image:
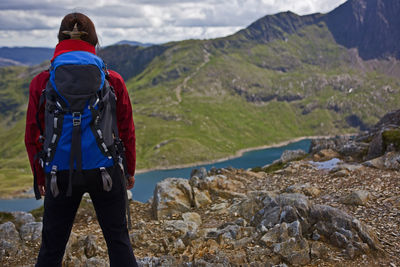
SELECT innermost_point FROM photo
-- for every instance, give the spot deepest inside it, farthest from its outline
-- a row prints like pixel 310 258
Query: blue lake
pixel 145 182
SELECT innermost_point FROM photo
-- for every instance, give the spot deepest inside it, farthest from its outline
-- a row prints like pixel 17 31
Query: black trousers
pixel 60 211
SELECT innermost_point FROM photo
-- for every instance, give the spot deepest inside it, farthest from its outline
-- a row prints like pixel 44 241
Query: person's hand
pixel 131 182
pixel 42 190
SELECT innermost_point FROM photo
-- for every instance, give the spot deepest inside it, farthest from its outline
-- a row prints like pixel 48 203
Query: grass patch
pixel 392 137
pixel 274 167
pixel 270 168
pixel 6 217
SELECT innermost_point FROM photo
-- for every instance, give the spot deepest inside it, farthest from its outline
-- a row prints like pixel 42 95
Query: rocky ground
pixel 224 225
pixel 337 206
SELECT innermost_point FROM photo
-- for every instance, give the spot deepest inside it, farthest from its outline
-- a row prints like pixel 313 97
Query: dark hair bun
pixel 83 23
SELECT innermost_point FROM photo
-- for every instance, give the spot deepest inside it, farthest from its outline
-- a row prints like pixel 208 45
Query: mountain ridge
pixel 275 26
pixel 28 56
pixel 133 43
pixel 280 25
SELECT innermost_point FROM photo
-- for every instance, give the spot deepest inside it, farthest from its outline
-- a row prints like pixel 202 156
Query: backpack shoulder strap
pixel 38 155
pixel 42 98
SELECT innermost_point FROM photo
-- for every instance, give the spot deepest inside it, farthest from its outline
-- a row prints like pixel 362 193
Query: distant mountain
pixel 372 26
pixel 25 55
pixel 134 43
pixel 29 56
pixel 130 60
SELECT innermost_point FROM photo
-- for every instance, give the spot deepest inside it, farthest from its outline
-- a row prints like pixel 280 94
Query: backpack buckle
pixel 76 118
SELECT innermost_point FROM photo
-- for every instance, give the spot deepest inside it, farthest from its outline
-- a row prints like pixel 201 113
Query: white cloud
pixel 22 20
pixel 42 38
pixel 156 21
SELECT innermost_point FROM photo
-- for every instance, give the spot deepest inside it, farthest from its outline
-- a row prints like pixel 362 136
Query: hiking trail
pixel 178 89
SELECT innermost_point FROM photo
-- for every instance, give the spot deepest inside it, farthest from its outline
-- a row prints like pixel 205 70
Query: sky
pixel 35 23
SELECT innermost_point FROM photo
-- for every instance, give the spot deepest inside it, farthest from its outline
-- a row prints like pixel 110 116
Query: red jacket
pixel 125 123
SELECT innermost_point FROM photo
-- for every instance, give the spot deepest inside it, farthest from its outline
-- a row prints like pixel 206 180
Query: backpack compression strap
pixel 35 184
pixel 76 148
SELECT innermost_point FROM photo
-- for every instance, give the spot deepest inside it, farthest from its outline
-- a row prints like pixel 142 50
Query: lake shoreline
pixel 236 155
pixel 27 193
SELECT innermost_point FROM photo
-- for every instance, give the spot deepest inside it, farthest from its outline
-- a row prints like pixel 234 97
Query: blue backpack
pixel 81 130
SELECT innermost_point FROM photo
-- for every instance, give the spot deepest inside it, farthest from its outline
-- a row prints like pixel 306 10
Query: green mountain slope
pixel 283 77
pixel 203 100
pixel 15 173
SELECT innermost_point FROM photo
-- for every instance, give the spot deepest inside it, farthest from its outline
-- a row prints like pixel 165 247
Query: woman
pixel 63 195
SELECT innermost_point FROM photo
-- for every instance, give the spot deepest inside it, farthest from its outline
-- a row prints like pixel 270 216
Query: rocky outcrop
pixel 21 218
pixel 16 234
pixel 291 155
pixel 358 197
pixel 10 241
pixel 325 154
pixel 378 147
pixel 31 231
pixel 293 228
pixel 388 161
pixel 171 196
pixel 290 224
pixel 83 250
pixel 177 195
pixel 346 146
pixel 306 189
pixel 391 118
pixel 286 157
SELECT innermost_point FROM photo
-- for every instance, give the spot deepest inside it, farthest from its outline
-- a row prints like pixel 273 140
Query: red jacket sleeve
pixel 125 123
pixel 32 133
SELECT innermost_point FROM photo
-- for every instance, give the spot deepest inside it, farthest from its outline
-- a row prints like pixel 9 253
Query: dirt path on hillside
pixel 178 89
